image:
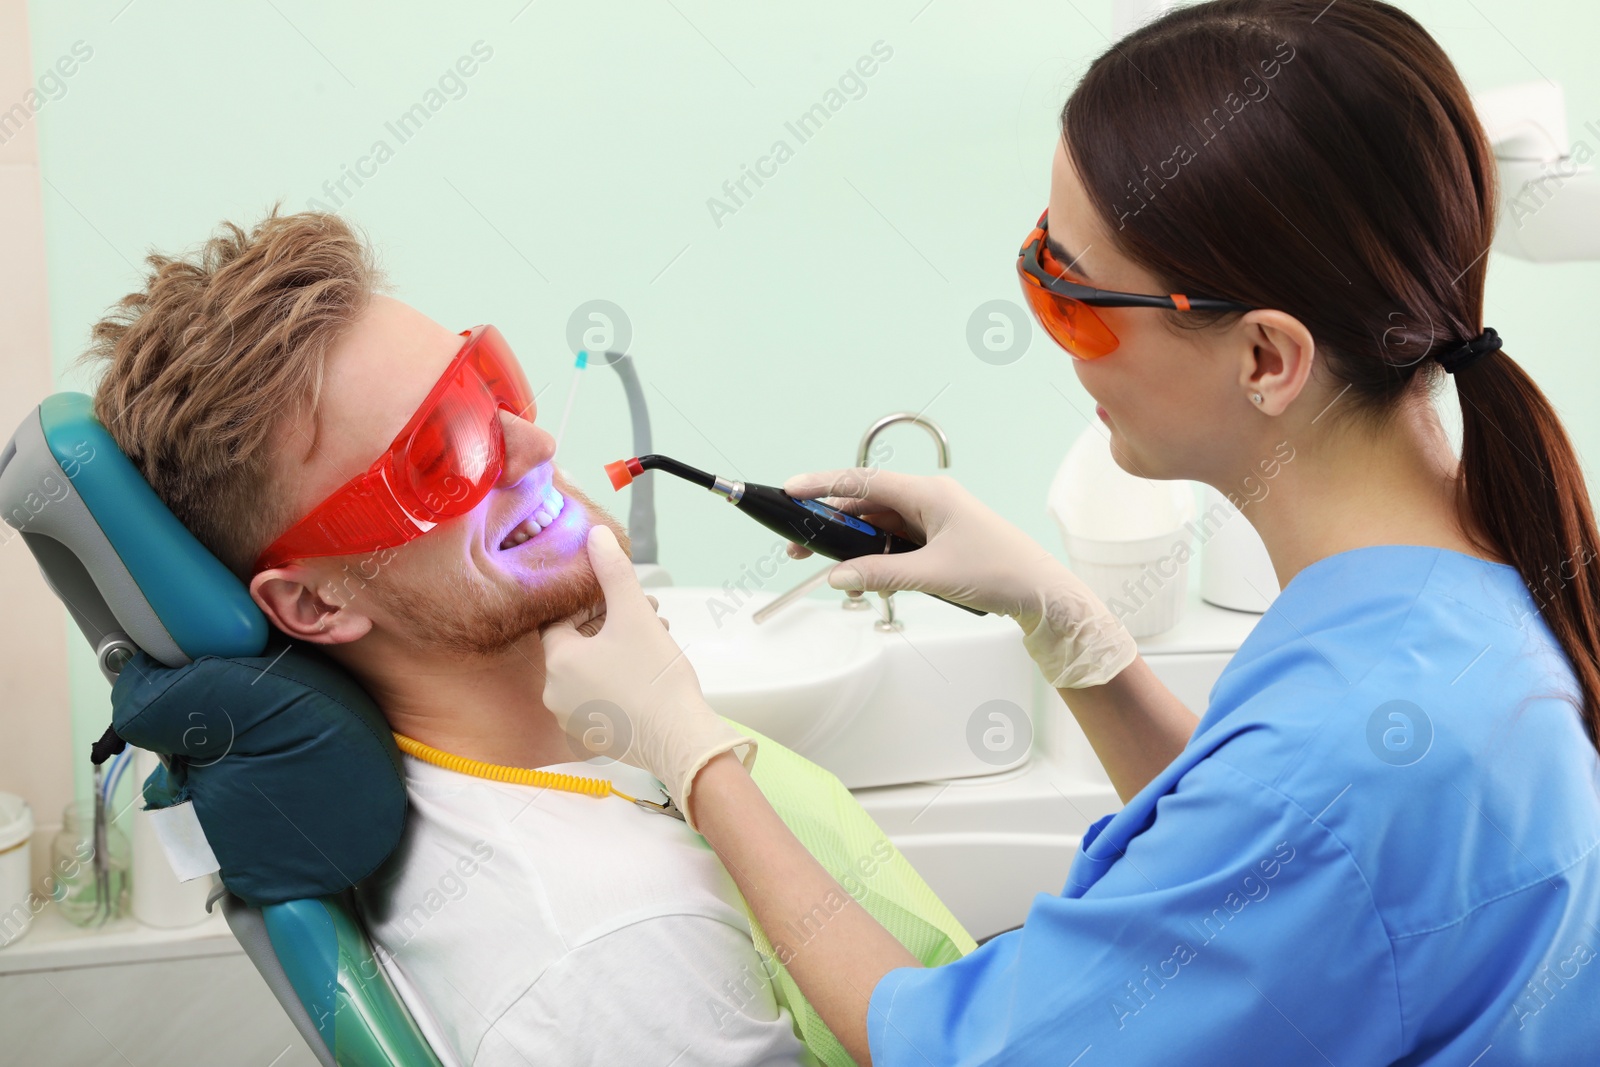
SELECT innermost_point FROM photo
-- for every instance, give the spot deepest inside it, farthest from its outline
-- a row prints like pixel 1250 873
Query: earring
pixel 1256 397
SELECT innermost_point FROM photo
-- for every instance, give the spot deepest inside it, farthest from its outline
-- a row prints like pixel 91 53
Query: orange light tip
pixel 619 473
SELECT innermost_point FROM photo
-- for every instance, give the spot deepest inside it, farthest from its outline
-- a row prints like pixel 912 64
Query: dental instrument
pixel 825 530
pixel 104 905
pixel 572 394
pixel 109 748
pixel 114 775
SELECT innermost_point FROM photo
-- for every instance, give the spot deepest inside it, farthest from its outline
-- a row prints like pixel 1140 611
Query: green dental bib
pixel 836 829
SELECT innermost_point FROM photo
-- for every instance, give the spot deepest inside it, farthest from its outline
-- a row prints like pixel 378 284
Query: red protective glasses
pixel 1065 305
pixel 445 460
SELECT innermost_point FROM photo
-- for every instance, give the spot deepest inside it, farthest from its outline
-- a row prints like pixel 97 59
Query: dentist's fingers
pixel 655 605
pixel 905 504
pixel 887 521
pixel 839 481
pixel 885 574
pixel 594 624
pixel 619 582
pixel 589 621
pixel 805 486
pixel 586 621
pixel 891 490
pixel 619 588
pixel 555 634
pixel 870 510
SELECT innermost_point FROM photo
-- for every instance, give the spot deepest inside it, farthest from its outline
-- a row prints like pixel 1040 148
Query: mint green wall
pixel 577 165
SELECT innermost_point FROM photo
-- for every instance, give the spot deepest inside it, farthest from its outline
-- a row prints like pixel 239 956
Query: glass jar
pixel 82 895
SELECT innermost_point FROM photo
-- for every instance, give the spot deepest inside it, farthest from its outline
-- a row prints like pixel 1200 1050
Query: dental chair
pixel 289 767
pixel 280 774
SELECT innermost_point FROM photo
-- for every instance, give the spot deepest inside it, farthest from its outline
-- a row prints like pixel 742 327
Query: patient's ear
pixel 298 602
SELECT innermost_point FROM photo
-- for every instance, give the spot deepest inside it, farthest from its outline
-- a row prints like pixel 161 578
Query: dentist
pixel 1268 222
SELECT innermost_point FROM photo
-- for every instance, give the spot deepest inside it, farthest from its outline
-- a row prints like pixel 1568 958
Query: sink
pixel 950 695
pixel 799 677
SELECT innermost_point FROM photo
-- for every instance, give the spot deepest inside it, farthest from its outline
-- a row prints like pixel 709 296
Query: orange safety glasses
pixel 1065 307
pixel 445 460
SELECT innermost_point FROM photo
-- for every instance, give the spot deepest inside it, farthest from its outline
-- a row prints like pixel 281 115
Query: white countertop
pixel 52 943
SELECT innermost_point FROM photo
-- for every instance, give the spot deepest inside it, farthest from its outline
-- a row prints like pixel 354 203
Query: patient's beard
pixel 461 614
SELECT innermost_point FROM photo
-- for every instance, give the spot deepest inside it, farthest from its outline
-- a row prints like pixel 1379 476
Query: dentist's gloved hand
pixel 974 557
pixel 634 664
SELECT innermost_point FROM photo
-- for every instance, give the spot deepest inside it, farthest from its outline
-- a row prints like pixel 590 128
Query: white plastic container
pixel 16 905
pixel 1235 570
pixel 1128 538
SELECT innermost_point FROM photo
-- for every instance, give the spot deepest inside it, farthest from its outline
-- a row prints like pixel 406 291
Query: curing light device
pixel 825 530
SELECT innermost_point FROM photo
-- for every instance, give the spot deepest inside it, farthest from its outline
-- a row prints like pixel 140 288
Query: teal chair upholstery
pixel 177 633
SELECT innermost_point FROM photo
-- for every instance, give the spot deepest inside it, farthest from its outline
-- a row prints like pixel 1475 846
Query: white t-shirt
pixel 527 926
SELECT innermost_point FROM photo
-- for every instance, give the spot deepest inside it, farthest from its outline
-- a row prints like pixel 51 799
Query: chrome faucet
pixel 940 441
pixel 887 622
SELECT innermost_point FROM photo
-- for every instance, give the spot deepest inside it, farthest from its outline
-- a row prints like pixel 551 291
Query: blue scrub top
pixel 1379 846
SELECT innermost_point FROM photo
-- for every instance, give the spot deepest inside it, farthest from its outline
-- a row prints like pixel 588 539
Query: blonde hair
pixel 217 352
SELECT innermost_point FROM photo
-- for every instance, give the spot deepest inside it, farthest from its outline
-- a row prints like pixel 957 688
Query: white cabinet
pixel 127 994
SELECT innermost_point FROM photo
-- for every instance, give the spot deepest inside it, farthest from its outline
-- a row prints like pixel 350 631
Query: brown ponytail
pixel 1326 160
pixel 1522 482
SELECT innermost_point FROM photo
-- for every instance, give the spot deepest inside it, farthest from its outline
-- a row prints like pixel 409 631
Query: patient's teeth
pixel 539 521
pixel 524 530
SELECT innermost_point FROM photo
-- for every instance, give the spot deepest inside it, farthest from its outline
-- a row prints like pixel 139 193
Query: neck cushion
pixel 294 774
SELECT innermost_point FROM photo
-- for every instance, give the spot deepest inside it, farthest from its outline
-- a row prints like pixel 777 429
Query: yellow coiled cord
pixel 571 783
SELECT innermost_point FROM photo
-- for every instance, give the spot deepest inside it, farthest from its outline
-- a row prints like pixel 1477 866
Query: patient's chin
pixel 473 618
pixel 467 615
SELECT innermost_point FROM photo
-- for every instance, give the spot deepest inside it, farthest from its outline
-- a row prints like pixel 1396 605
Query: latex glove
pixel 974 557
pixel 633 664
pixel 589 620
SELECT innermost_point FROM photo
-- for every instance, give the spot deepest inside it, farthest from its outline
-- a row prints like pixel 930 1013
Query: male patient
pixel 528 926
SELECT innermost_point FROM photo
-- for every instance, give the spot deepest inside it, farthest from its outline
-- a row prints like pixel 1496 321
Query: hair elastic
pixel 1461 358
